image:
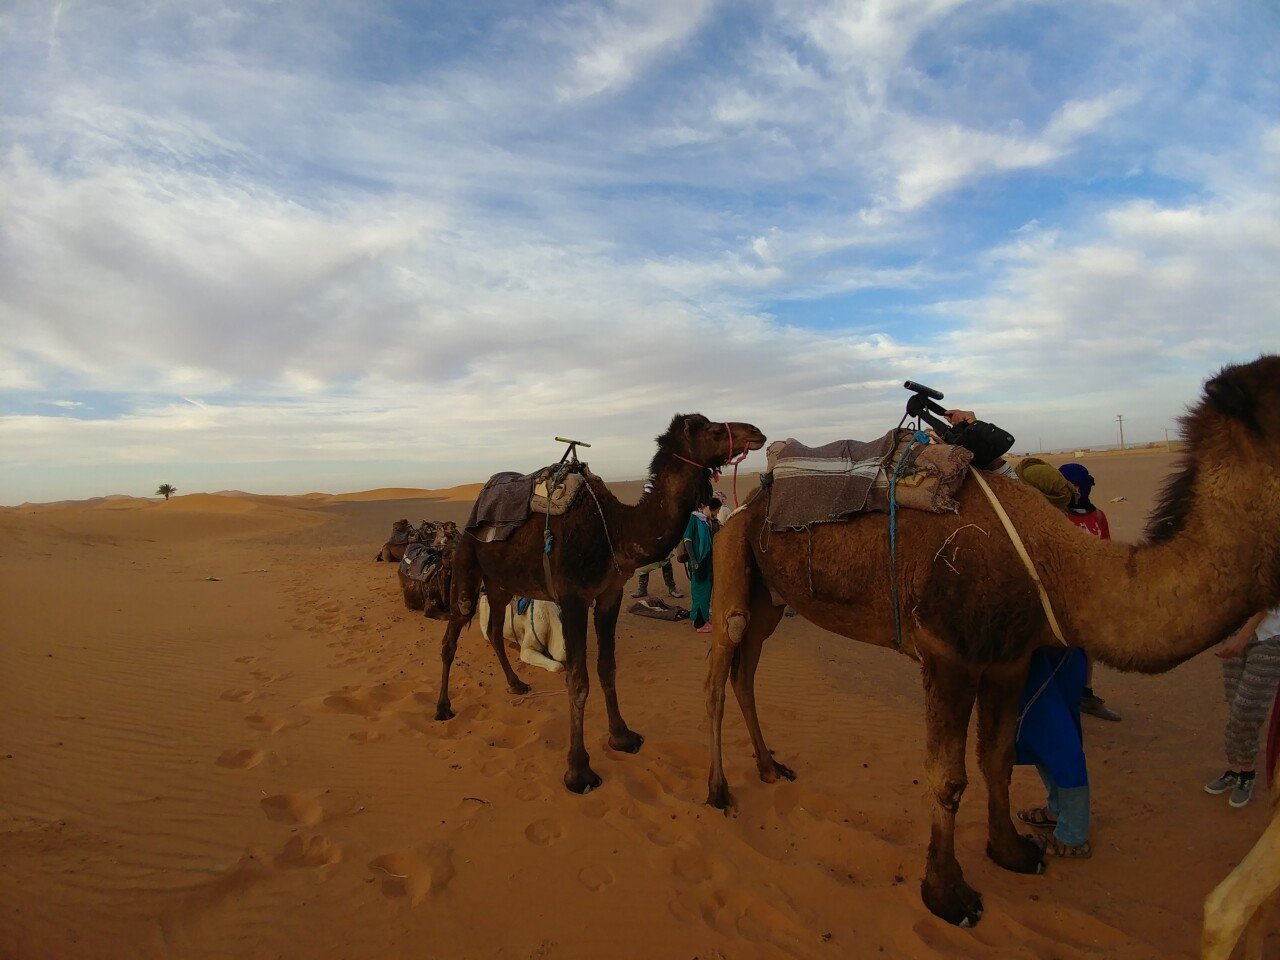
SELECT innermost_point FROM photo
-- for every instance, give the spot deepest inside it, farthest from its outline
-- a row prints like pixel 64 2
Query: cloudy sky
pixel 329 246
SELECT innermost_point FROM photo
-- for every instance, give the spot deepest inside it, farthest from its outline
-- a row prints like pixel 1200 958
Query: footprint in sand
pixel 364 736
pixel 266 722
pixel 314 851
pixel 246 659
pixel 543 832
pixel 403 875
pixel 595 877
pixel 292 808
pixel 240 759
pixel 237 696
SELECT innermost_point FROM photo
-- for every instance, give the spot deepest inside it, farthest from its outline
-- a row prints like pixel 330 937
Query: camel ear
pixel 1231 396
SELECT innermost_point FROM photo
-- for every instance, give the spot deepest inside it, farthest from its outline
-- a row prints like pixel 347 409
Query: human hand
pixel 955 417
pixel 1233 646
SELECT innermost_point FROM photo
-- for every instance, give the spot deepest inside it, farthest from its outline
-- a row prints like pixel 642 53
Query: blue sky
pixel 289 247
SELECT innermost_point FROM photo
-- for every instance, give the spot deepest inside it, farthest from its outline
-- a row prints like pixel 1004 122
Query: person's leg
pixel 1051 804
pixel 1073 816
pixel 1259 675
pixel 1091 703
pixel 642 586
pixel 669 578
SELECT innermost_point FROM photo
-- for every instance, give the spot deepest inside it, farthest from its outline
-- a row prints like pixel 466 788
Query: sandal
pixel 1053 847
pixel 1038 817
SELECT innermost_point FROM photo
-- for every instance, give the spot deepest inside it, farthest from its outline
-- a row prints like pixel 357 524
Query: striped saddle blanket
pixel 839 480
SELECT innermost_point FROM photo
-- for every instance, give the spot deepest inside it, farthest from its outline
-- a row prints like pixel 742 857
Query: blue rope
pixel 919 438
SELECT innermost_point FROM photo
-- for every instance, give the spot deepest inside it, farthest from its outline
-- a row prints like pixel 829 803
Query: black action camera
pixel 984 440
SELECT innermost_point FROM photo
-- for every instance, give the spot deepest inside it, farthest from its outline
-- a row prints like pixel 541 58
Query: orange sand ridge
pixel 248 767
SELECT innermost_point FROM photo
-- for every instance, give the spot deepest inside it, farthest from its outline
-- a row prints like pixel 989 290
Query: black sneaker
pixel 1243 791
pixel 1228 781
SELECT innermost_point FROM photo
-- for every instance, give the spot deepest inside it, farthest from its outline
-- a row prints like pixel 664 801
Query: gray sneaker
pixel 1243 792
pixel 1228 781
pixel 676 594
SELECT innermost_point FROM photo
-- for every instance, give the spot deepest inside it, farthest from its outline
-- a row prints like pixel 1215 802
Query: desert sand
pixel 218 742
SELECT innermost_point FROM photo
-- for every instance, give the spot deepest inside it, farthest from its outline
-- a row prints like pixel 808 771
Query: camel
pixel 431 596
pixel 971 614
pixel 597 545
pixel 403 533
pixel 536 632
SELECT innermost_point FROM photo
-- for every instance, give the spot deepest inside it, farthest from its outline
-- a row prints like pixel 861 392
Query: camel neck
pixel 650 530
pixel 1152 606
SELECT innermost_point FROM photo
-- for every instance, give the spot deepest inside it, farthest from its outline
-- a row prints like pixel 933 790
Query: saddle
pixel 421 563
pixel 508 499
pixel 842 479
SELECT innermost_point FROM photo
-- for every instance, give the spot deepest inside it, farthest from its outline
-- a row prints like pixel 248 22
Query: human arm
pixel 955 417
pixel 1234 645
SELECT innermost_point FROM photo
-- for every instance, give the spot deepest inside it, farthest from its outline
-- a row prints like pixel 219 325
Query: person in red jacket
pixel 1089 518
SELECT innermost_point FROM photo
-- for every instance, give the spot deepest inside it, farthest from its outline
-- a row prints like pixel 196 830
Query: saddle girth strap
pixel 1022 552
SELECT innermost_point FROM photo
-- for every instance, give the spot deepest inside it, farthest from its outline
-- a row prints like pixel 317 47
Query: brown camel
pixel 431 596
pixel 971 614
pixel 598 544
pixel 403 533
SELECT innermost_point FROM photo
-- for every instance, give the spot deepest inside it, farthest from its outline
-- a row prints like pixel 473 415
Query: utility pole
pixel 1167 445
pixel 1120 420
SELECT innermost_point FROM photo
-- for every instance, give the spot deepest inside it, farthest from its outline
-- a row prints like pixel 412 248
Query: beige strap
pixel 1022 552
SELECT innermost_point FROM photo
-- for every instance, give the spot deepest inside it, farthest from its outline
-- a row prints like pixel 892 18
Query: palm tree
pixel 166 490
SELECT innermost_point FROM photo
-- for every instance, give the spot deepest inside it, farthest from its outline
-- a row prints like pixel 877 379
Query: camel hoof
pixel 581 781
pixel 519 687
pixel 443 712
pixel 958 904
pixel 771 773
pixel 1025 857
pixel 628 742
pixel 718 796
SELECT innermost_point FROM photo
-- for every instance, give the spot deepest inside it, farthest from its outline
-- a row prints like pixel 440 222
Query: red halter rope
pixel 734 460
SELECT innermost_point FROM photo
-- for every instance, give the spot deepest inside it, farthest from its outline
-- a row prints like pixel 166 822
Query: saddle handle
pixel 573 448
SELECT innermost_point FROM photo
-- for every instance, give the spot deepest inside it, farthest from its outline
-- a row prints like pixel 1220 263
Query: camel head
pixel 1232 456
pixel 708 443
pixel 445 534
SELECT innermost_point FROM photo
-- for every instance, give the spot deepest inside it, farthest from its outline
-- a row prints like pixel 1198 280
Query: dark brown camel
pixel 971 615
pixel 432 596
pixel 596 550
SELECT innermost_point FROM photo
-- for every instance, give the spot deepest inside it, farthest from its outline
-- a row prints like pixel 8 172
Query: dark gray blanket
pixel 503 504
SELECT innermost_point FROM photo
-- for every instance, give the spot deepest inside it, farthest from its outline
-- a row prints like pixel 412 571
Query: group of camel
pixel 1210 560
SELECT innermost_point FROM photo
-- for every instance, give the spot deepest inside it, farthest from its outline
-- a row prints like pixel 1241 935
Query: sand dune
pixel 249 767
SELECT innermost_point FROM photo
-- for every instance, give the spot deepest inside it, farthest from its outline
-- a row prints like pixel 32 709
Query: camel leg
pixel 579 778
pixel 448 647
pixel 723 655
pixel 497 615
pixel 999 690
pixel 536 659
pixel 621 737
pixel 949 694
pixel 1233 902
pixel 463 590
pixel 764 620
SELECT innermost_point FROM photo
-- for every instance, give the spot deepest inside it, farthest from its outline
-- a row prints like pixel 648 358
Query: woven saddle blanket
pixel 839 480
pixel 420 562
pixel 508 499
